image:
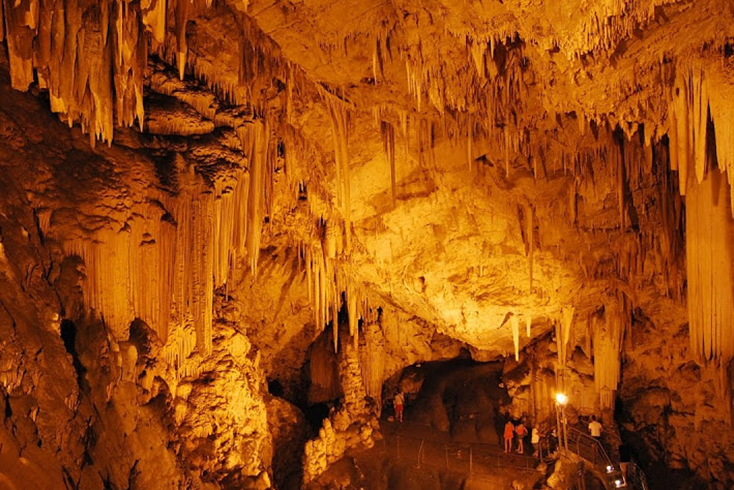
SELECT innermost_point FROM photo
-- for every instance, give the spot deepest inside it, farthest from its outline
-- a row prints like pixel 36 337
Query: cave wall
pixel 481 174
pixel 90 403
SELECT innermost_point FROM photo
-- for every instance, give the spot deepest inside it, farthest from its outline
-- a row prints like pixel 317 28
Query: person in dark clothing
pixel 521 431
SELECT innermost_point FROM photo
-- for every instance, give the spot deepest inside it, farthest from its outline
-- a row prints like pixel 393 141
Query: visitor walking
pixel 521 432
pixel 595 428
pixel 509 434
pixel 399 401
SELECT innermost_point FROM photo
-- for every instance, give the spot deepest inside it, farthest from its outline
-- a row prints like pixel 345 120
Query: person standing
pixel 535 440
pixel 595 428
pixel 399 402
pixel 509 434
pixel 521 432
pixel 553 441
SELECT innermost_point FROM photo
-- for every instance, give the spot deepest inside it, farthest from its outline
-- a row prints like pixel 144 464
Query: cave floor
pixel 414 456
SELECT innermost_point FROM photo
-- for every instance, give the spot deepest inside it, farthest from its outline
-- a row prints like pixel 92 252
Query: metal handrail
pixel 600 458
pixel 593 451
pixel 636 476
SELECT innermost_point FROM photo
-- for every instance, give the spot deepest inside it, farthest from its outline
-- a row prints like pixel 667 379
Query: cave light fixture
pixel 561 399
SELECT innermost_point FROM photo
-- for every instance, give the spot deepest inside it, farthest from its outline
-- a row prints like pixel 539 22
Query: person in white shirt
pixel 595 428
pixel 535 440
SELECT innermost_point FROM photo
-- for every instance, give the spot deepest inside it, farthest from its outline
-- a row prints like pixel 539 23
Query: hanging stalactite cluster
pixel 91 57
pixel 164 266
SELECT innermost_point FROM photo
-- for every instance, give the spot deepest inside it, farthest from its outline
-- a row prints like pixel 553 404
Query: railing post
pixel 446 451
pixel 420 453
pixel 471 459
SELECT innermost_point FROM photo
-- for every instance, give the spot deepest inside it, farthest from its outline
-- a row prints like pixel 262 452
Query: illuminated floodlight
pixel 619 483
pixel 610 468
pixel 561 399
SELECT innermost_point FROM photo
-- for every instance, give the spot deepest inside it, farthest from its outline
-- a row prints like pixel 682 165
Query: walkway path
pixel 424 445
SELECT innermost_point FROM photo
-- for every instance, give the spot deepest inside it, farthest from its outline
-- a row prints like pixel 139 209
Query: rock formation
pixel 203 199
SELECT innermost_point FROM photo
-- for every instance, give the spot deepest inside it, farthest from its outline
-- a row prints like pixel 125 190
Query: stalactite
pixel 506 133
pixel 335 319
pixel 621 183
pixel 531 242
pixel 515 322
pixel 339 127
pixel 256 140
pixel 163 266
pixel 388 144
pixel 352 301
pixel 477 50
pixel 563 333
pixel 720 94
pixel 181 15
pixel 709 259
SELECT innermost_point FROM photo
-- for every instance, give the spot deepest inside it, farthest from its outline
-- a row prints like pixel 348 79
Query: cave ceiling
pixel 464 161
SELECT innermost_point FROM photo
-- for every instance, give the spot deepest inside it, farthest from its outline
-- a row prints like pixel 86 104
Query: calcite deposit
pixel 222 219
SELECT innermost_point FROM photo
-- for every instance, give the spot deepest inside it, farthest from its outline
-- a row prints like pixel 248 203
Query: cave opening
pixel 464 399
pixel 68 332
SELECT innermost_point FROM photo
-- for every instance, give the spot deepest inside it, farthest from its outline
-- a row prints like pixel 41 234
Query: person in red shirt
pixel 509 434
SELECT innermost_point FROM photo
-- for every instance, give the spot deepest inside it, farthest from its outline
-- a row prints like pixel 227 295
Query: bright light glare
pixel 618 483
pixel 561 399
pixel 610 468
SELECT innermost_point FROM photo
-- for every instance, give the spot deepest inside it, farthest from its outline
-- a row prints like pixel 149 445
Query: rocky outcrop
pixel 93 403
pixel 673 410
pixel 354 423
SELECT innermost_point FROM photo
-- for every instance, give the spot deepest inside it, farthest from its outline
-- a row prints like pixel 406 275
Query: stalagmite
pixel 372 360
pixel 608 328
pixel 528 324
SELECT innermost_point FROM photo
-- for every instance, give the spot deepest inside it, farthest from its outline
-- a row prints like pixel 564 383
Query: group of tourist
pixel 519 432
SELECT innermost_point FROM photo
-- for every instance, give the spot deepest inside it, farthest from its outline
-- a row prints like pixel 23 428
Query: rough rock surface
pixel 439 174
